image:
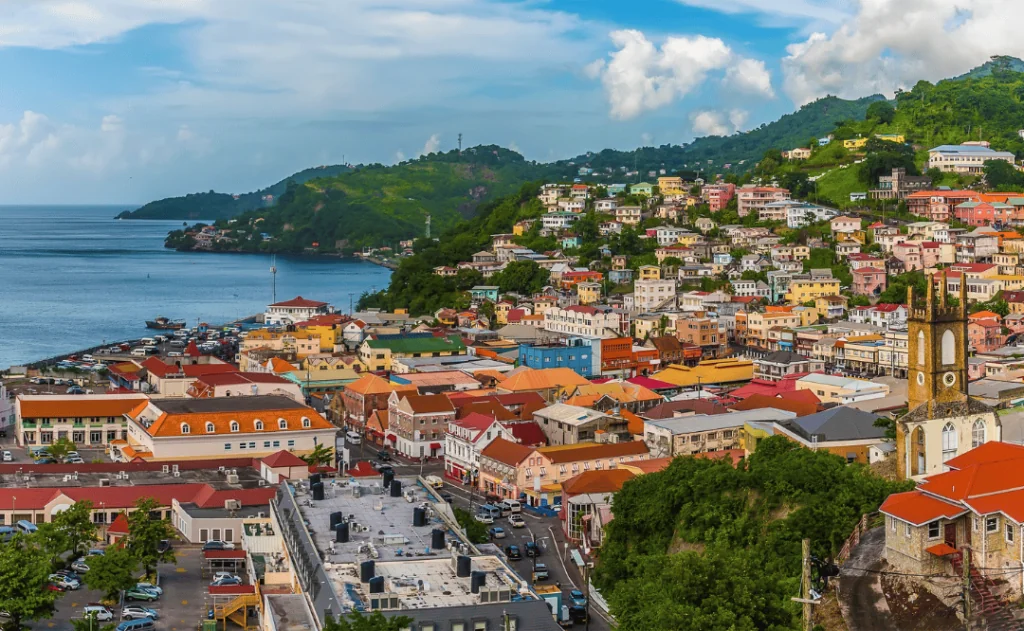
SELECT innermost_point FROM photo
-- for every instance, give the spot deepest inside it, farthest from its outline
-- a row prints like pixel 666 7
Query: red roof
pixel 192 350
pixel 527 433
pixel 761 401
pixel 363 469
pixel 919 508
pixel 157 367
pixel 885 307
pixel 299 301
pixel 283 459
pixel 117 497
pixel 971 267
pixel 582 309
pixel 770 388
pixel 119 526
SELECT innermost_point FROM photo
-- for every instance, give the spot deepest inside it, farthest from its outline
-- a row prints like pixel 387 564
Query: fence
pixel 858 531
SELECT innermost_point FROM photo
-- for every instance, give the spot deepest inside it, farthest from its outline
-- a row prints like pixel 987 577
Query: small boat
pixel 165 324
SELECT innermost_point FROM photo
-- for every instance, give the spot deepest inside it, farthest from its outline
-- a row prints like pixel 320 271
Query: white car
pixel 516 520
pixel 219 575
pixel 484 519
pixel 151 587
pixel 8 457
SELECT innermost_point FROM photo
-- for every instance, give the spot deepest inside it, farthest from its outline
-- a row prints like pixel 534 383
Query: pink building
pixel 718 195
pixel 931 253
pixel 910 254
pixel 984 213
pixel 753 198
pixel 937 205
pixel 860 259
pixel 985 332
pixel 869 281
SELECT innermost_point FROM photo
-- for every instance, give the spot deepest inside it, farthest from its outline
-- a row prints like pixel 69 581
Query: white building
pixel 648 294
pixel 465 439
pixel 965 158
pixel 583 322
pixel 6 410
pixel 84 419
pixel 559 220
pixel 295 310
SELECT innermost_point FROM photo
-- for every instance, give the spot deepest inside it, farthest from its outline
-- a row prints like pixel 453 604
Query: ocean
pixel 72 277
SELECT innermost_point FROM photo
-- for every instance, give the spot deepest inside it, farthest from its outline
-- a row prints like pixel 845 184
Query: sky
pixel 125 101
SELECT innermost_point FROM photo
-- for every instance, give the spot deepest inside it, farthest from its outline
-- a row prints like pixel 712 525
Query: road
pixel 861 598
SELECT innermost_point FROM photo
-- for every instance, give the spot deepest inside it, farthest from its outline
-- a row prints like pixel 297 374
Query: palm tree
pixel 60 449
pixel 321 455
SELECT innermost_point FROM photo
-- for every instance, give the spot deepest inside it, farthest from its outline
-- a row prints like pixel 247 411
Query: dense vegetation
pixel 213 205
pixel 705 545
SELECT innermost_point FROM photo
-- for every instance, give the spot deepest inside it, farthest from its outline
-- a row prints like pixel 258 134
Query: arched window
pixel 259 425
pixel 948 442
pixel 948 348
pixel 920 348
pixel 282 424
pixel 306 422
pixel 234 426
pixel 978 433
pixel 185 429
pixel 210 429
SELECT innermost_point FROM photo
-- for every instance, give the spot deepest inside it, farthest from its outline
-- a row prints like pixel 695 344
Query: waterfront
pixel 72 277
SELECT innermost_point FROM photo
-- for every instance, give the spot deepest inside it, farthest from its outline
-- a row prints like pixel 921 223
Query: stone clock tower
pixel 942 420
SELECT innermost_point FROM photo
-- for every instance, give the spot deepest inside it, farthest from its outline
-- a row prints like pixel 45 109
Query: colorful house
pixel 642 188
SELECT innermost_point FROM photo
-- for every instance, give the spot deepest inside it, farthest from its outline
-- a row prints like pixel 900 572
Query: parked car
pixel 46 461
pixel 100 611
pixel 68 574
pixel 220 575
pixel 80 566
pixel 227 580
pixel 532 549
pixel 95 552
pixel 134 612
pixel 163 546
pixel 151 587
pixel 64 582
pixel 484 519
pixel 383 455
pixel 516 520
pixel 75 460
pixel 137 593
pixel 216 544
pixel 446 496
pixel 8 457
pixel 497 532
pixel 577 598
pixel 540 572
pixel 513 553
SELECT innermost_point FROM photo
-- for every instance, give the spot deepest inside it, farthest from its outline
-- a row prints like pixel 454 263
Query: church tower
pixel 937 358
pixel 942 421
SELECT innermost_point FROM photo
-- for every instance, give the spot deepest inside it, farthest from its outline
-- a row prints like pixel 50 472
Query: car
pixel 75 460
pixel 75 390
pixel 101 613
pixel 46 461
pixel 532 549
pixel 134 612
pixel 219 575
pixel 484 519
pixel 446 496
pixel 578 614
pixel 163 546
pixel 577 598
pixel 513 553
pixel 151 587
pixel 216 544
pixel 227 580
pixel 95 552
pixel 516 520
pixel 383 455
pixel 8 456
pixel 497 532
pixel 68 574
pixel 64 582
pixel 136 593
pixel 174 354
pixel 557 508
pixel 80 566
pixel 540 572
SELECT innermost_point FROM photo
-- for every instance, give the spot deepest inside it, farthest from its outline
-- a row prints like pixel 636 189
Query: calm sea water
pixel 72 277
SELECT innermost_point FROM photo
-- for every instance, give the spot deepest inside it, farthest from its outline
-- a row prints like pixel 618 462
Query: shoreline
pixel 376 260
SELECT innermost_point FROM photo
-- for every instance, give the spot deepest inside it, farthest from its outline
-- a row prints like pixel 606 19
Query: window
pixel 185 429
pixel 991 524
pixel 933 530
pixel 948 442
pixel 277 443
pixel 210 429
pixel 306 422
pixel 241 445
pixel 978 433
pixel 920 348
pixel 291 443
pixel 976 521
pixel 892 523
pixel 906 529
pixel 227 446
pixel 282 424
pixel 234 426
pixel 1009 533
pixel 258 426
pixel 252 445
pixel 948 348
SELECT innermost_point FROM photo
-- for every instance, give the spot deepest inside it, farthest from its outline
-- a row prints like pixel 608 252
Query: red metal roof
pixel 224 554
pixel 919 508
pixel 527 433
pixel 299 301
pixel 283 459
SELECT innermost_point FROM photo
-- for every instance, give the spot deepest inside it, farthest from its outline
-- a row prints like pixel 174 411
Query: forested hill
pixel 213 205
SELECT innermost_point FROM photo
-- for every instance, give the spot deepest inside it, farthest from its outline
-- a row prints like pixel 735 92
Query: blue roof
pixel 967 149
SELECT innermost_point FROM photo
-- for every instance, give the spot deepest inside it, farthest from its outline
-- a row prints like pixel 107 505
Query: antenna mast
pixel 273 278
pixel 460 144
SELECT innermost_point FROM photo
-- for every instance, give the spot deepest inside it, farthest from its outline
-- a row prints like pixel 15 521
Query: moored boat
pixel 165 324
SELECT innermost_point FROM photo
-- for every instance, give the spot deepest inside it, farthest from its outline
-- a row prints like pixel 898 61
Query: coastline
pixel 388 263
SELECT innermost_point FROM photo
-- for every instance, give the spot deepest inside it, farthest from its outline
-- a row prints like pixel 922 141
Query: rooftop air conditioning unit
pixel 232 478
pixel 232 505
pixel 104 482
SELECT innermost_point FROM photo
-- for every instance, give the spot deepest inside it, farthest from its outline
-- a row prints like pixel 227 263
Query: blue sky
pixel 127 101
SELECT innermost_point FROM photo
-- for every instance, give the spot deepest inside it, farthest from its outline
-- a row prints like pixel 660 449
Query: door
pixel 950 535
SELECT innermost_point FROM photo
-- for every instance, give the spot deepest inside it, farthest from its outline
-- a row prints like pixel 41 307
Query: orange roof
pixel 919 508
pixel 429 403
pixel 371 384
pixel 506 452
pixel 980 315
pixel 588 394
pixel 636 424
pixel 592 451
pixel 78 406
pixel 761 401
pixel 598 481
pixel 379 420
pixel 279 365
pixel 171 424
pixel 542 379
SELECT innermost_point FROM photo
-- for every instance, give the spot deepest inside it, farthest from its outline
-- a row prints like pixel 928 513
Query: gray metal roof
pixel 838 423
pixel 705 423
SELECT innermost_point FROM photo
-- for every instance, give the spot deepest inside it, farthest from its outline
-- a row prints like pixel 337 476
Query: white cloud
pixel 646 139
pixel 640 76
pixel 889 44
pixel 829 11
pixel 111 123
pixel 185 133
pixel 399 156
pixel 713 123
pixel 432 145
pixel 750 76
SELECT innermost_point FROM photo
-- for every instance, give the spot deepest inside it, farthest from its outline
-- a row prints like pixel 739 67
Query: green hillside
pixel 213 205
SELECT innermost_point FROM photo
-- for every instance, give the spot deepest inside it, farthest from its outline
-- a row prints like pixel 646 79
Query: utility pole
pixel 967 586
pixel 805 583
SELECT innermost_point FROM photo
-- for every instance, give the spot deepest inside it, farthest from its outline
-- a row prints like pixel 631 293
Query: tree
pixel 145 533
pixel 881 111
pixel 475 531
pixel 1002 175
pixel 24 582
pixel 376 621
pixel 112 572
pixel 60 449
pixel 89 623
pixel 321 455
pixel 859 301
pixel 522 277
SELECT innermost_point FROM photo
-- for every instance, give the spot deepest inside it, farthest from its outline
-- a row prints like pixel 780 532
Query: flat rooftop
pixel 290 612
pixel 248 478
pixel 227 404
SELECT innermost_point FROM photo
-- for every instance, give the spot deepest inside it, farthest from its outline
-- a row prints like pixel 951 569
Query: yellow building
pixel 588 293
pixel 377 354
pixel 329 334
pixel 690 238
pixel 855 143
pixel 850 235
pixel 501 311
pixel 711 372
pixel 801 291
pixel 649 272
pixel 831 306
pixel 671 185
pixel 891 137
pixel 808 315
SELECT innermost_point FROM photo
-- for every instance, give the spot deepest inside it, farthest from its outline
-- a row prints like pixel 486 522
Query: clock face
pixel 920 378
pixel 949 379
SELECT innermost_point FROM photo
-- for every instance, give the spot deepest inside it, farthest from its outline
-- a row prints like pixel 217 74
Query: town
pixel 465 468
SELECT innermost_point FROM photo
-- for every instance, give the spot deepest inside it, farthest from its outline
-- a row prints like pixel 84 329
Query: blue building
pixel 621 276
pixel 481 293
pixel 615 189
pixel 578 356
